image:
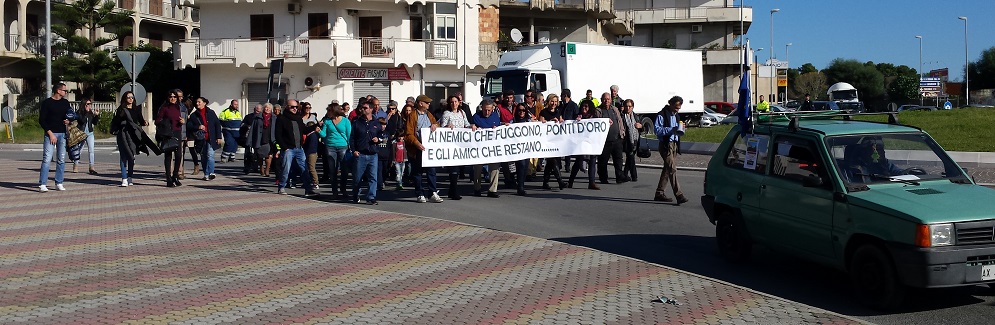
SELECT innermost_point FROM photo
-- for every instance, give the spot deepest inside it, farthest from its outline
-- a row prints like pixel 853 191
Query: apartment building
pixel 157 22
pixel 550 21
pixel 341 50
pixel 712 26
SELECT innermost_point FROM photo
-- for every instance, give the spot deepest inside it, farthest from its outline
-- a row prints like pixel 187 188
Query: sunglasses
pixel 173 97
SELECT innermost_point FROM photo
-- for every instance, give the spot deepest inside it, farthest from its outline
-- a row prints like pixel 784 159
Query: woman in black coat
pixel 126 126
pixel 205 129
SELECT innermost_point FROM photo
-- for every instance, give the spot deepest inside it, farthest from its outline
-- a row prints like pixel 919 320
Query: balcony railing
pixel 376 47
pixel 440 50
pixel 161 8
pixel 489 54
pixel 36 45
pixel 219 48
pixel 285 47
pixel 10 43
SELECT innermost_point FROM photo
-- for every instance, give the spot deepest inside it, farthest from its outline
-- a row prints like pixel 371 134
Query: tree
pixel 806 68
pixel 983 71
pixel 863 76
pixel 86 63
pixel 904 89
pixel 813 83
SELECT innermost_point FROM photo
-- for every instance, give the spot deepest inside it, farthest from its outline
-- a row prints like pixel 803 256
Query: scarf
pixel 203 119
pixel 266 118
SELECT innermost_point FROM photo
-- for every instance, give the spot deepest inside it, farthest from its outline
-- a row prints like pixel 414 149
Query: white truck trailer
pixel 648 76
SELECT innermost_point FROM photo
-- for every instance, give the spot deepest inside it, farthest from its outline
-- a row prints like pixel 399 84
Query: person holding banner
pixel 417 120
pixel 586 111
pixel 631 143
pixel 552 114
pixel 522 115
pixel 454 117
pixel 486 119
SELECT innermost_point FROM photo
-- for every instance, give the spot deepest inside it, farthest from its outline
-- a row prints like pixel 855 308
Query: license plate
pixel 988 272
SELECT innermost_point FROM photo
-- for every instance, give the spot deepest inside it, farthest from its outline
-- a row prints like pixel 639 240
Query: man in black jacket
pixel 54 114
pixel 366 136
pixel 290 129
pixel 249 161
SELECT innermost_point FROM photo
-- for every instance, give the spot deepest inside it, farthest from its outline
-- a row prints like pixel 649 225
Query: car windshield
pixel 896 157
pixel 709 110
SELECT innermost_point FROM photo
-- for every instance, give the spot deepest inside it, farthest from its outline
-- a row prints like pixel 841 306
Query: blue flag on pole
pixel 744 108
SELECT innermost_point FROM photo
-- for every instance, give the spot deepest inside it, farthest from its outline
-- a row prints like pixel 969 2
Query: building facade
pixel 712 26
pixel 157 22
pixel 341 50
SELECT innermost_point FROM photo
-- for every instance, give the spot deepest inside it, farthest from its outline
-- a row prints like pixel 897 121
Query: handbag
pixel 642 152
pixel 169 144
pixel 74 135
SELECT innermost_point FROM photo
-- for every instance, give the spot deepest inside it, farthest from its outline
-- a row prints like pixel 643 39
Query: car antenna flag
pixel 743 109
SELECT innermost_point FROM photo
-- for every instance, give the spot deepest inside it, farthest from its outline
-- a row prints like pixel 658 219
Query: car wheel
pixel 734 242
pixel 874 278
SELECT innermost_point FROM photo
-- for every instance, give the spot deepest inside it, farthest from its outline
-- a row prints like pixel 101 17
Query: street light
pixel 920 68
pixel 772 11
pixel 788 59
pixel 756 74
pixel 967 67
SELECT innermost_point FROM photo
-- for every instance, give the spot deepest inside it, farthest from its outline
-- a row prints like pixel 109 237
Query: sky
pixel 882 31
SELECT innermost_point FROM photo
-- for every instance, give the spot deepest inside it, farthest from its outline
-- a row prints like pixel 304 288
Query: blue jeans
pixel 127 166
pixel 89 147
pixel 366 165
pixel 207 158
pixel 417 170
pixel 297 157
pixel 46 159
pixel 231 145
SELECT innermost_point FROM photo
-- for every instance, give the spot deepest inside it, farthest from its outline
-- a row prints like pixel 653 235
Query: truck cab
pixel 519 80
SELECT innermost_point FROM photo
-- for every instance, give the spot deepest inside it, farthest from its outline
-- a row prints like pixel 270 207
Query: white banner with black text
pixel 461 147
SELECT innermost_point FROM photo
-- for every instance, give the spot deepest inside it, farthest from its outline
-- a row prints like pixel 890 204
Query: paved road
pixel 622 219
pixel 226 252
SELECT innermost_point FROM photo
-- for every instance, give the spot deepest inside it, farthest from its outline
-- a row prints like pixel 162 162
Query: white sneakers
pixel 44 188
pixel 421 198
pixel 435 198
pixel 124 182
pixel 130 182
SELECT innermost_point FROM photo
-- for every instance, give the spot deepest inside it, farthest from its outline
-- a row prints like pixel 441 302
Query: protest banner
pixel 461 147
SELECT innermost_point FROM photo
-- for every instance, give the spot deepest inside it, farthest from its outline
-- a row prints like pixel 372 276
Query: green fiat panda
pixel 881 201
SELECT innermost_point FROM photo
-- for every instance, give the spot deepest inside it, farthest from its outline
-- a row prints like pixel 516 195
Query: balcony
pixel 622 24
pixel 489 55
pixel 644 15
pixel 165 9
pixel 331 51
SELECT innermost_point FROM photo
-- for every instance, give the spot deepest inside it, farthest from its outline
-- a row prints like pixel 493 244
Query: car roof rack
pixel 795 117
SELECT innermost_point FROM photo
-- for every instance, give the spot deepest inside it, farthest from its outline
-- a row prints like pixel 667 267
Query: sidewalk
pixel 227 252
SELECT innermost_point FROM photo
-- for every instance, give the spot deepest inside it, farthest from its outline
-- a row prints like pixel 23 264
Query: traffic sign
pixel 133 61
pixel 136 88
pixel 948 105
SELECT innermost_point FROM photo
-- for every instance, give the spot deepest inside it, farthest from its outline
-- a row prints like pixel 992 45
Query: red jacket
pixel 506 114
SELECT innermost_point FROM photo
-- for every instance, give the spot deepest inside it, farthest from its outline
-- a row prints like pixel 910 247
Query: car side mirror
pixel 812 181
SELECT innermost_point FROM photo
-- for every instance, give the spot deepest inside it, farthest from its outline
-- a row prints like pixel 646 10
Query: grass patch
pixel 28 131
pixel 967 129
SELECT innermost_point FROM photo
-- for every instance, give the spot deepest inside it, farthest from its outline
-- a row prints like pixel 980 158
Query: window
pixel 261 26
pixel 749 153
pixel 417 28
pixel 797 159
pixel 445 21
pixel 317 24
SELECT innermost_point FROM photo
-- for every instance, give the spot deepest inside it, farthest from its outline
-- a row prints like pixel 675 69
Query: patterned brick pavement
pixel 223 252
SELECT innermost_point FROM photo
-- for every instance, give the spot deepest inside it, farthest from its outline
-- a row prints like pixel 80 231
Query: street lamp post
pixel 787 87
pixel 772 87
pixel 756 74
pixel 967 67
pixel 920 69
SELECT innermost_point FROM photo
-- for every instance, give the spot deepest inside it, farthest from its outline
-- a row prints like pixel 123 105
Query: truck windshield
pixel 845 95
pixel 499 81
pixel 882 158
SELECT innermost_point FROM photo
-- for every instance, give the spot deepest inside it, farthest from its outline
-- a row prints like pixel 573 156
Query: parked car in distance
pixel 882 202
pixel 793 104
pixel 721 107
pixel 916 108
pixel 825 106
pixel 711 118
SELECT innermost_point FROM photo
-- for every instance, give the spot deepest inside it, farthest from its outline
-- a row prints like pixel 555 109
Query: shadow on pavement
pixel 769 272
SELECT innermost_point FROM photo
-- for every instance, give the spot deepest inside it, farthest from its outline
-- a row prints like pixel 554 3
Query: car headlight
pixel 935 235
